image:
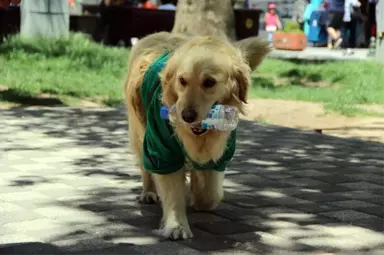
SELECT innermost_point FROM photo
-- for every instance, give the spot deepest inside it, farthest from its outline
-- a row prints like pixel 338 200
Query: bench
pixel 126 22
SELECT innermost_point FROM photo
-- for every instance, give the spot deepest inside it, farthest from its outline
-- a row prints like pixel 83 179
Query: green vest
pixel 163 153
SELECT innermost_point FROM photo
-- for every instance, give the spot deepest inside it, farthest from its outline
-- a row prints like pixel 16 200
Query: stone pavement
pixel 317 53
pixel 68 185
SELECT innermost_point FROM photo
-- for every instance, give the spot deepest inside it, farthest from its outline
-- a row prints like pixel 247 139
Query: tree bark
pixel 205 17
pixel 44 18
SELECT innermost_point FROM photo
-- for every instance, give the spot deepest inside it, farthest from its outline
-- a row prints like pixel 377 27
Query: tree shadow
pixel 308 61
pixel 263 82
pixel 307 78
pixel 14 96
pixel 286 190
pixel 296 73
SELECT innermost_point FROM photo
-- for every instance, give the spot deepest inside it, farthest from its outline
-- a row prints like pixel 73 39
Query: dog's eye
pixel 209 83
pixel 182 81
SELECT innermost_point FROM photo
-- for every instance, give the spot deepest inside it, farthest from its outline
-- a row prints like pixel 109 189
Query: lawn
pixel 80 69
pixel 340 85
pixel 71 69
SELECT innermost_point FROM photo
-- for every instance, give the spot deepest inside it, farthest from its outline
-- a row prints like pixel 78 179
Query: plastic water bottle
pixel 220 117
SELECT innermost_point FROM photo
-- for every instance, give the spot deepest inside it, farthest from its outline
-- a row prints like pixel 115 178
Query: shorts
pixel 335 20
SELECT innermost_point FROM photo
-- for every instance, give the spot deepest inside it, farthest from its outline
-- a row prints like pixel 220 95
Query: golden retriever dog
pixel 192 74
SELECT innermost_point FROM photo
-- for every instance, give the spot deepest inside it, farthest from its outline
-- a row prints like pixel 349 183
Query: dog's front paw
pixel 148 197
pixel 179 232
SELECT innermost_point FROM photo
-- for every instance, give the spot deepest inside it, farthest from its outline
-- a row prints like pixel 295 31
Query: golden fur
pixel 193 61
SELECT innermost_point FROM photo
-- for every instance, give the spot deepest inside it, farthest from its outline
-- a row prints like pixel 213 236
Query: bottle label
pixel 211 123
pixel 206 125
pixel 214 113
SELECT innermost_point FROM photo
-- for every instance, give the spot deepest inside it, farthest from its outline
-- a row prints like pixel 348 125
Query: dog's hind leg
pixel 171 189
pixel 149 194
pixel 136 134
pixel 206 189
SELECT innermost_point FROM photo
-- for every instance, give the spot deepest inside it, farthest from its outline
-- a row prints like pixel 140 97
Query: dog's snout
pixel 189 115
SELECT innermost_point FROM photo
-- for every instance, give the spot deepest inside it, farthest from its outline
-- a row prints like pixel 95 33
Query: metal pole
pixel 44 18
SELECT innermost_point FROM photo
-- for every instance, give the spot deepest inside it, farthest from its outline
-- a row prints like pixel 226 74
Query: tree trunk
pixel 44 18
pixel 205 17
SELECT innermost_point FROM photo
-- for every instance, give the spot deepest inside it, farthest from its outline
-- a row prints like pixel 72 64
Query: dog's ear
pixel 242 74
pixel 254 50
pixel 168 78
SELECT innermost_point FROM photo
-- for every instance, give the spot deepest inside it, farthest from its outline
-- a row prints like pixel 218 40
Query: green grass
pixel 342 84
pixel 74 67
pixel 77 68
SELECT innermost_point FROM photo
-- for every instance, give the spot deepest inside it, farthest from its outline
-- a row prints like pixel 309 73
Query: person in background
pixel 307 17
pixel 72 4
pixel 299 8
pixel 350 23
pixel 167 5
pixel 100 32
pixel 335 22
pixel 6 3
pixel 272 21
pixel 146 4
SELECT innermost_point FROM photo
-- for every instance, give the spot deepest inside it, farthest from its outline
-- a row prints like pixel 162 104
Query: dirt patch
pixel 378 108
pixel 312 116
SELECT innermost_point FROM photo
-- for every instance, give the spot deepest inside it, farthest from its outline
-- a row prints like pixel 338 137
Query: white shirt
pixel 348 4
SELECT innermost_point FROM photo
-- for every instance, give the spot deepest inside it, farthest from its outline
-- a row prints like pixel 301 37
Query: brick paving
pixel 68 185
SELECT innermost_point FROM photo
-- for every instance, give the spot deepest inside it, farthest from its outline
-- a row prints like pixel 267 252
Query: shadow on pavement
pixel 287 191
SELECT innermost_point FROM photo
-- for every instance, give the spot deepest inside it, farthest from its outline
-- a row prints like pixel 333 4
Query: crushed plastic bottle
pixel 220 117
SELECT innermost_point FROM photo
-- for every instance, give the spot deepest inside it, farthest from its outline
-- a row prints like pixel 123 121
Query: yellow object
pixel 248 23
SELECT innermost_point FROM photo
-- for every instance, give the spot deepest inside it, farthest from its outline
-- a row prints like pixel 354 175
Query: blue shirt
pixel 336 5
pixel 167 7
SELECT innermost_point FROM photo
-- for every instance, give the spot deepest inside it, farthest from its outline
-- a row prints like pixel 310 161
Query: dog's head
pixel 205 71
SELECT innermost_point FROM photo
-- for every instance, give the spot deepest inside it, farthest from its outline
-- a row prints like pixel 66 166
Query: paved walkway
pixel 317 53
pixel 322 54
pixel 68 184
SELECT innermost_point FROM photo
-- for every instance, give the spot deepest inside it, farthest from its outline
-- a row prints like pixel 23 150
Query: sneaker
pixel 337 43
pixel 350 52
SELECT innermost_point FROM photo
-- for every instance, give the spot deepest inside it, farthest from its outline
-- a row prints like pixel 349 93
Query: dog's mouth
pixel 198 130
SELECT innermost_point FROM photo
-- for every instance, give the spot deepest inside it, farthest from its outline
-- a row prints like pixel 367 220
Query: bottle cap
pixel 164 112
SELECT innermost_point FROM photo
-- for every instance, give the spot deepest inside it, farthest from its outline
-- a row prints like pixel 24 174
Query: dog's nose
pixel 189 115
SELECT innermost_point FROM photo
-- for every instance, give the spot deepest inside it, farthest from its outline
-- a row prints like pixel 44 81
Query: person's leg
pixel 332 34
pixel 338 24
pixel 270 36
pixel 353 35
pixel 346 34
pixel 331 28
pixel 99 32
pixel 346 38
pixel 338 33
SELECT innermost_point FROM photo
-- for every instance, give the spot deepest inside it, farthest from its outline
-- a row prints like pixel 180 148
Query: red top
pixel 6 3
pixel 148 5
pixel 270 19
